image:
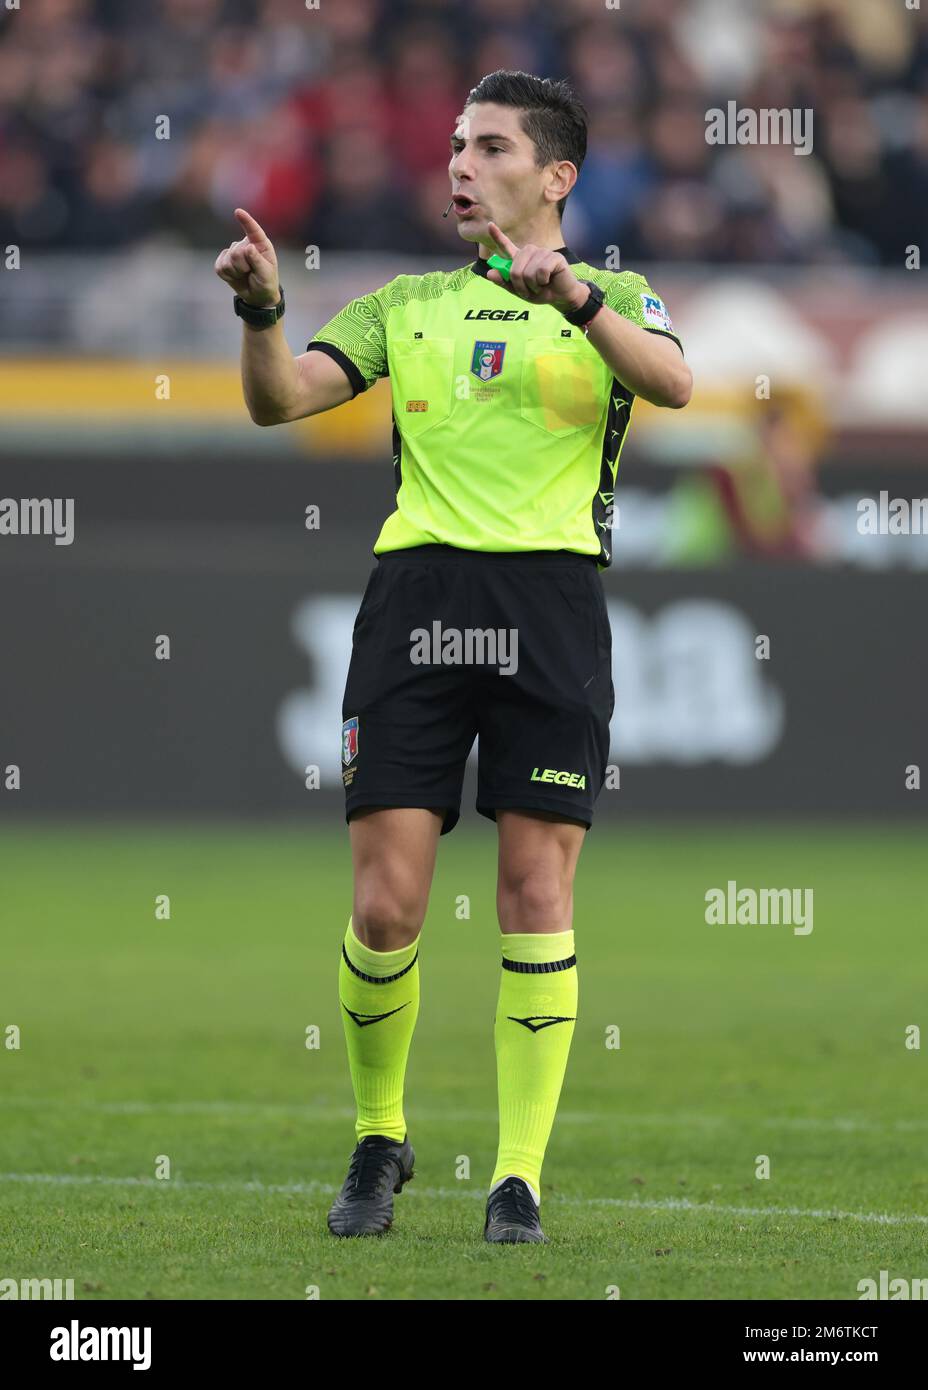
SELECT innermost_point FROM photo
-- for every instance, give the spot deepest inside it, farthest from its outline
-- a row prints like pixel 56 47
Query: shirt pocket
pixel 564 385
pixel 422 371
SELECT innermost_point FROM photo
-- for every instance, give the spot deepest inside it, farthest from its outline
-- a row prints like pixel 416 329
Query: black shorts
pixel 512 648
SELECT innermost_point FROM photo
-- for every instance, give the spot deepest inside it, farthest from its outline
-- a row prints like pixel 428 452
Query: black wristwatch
pixel 259 318
pixel 582 316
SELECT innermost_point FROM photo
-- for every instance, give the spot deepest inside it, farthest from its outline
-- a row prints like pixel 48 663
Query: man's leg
pixel 393 849
pixel 537 1008
pixel 407 729
pixel 393 852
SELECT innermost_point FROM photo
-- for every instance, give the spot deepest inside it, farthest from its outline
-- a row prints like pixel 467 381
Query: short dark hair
pixel 553 116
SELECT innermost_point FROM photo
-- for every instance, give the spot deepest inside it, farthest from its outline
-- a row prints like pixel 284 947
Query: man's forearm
pixel 639 359
pixel 269 374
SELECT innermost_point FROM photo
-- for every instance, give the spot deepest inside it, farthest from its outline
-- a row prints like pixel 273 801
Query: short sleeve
pixel 631 296
pixel 356 338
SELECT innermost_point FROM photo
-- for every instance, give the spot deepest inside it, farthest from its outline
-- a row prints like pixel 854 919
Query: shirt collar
pixel 479 266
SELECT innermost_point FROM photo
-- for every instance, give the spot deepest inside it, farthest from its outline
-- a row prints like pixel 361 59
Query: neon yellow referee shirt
pixel 507 424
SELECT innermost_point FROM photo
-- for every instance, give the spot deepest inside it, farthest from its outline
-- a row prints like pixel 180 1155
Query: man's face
pixel 493 165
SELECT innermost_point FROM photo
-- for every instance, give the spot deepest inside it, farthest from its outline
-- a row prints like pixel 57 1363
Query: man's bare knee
pixel 534 902
pixel 386 920
pixel 394 857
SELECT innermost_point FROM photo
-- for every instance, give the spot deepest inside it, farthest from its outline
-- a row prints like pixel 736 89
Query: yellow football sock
pixel 379 993
pixel 535 1019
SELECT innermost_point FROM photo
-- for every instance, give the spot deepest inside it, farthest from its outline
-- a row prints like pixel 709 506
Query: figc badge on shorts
pixel 350 740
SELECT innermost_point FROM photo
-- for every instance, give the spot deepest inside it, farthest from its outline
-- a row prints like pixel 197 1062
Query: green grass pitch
pixel 186 1038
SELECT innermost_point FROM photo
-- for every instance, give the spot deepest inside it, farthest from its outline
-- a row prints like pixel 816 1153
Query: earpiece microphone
pixel 448 208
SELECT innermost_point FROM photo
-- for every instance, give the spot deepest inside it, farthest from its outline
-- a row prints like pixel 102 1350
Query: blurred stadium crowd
pixel 332 124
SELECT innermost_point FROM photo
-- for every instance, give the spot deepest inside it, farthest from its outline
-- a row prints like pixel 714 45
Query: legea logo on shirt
pixel 507 314
pixel 487 360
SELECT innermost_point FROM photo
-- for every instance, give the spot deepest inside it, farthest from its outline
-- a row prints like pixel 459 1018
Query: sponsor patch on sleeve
pixel 655 313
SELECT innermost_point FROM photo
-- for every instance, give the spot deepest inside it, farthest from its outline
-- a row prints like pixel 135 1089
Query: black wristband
pixel 259 318
pixel 580 317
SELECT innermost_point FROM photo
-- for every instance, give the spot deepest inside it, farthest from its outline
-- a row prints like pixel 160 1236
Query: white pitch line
pixel 427 1115
pixel 324 1189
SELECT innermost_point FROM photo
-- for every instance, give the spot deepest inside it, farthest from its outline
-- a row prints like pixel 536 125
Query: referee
pixel 484 613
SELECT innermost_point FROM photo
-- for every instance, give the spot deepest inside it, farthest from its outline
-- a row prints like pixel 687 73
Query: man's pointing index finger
pixel 502 240
pixel 250 227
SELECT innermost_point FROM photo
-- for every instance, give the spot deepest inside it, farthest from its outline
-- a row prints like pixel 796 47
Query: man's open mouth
pixel 463 202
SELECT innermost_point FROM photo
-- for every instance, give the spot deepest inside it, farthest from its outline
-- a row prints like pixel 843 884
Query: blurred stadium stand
pixel 332 125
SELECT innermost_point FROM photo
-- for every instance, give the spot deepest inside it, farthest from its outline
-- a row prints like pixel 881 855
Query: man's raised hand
pixel 249 266
pixel 538 275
